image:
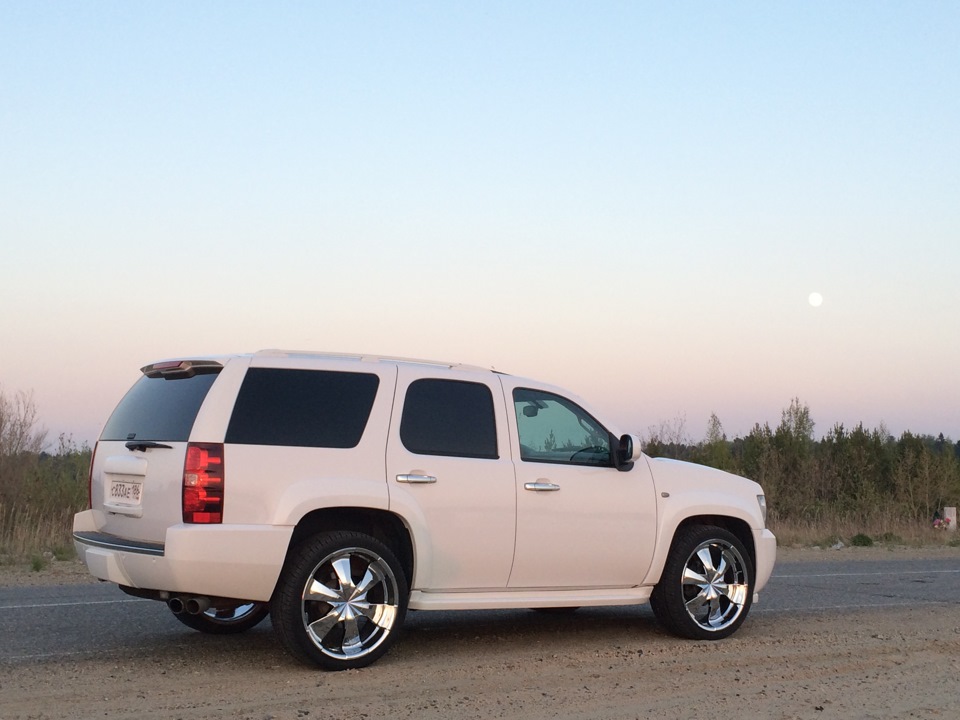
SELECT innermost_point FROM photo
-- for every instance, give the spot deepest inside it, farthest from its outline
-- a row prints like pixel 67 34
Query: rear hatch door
pixel 137 478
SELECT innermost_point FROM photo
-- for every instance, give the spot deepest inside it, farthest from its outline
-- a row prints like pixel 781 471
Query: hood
pixel 679 474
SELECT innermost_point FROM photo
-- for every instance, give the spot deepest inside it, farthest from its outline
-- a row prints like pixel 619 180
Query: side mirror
pixel 627 452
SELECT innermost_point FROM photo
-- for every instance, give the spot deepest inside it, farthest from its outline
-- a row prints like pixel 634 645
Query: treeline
pixel 856 475
pixel 39 491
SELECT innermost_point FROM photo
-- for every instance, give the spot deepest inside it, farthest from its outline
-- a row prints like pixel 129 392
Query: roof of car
pixel 365 357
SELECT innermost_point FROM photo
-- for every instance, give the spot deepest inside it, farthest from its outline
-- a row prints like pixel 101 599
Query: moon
pixel 815 299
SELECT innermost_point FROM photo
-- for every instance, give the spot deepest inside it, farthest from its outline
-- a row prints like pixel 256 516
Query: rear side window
pixel 449 417
pixel 159 409
pixel 303 408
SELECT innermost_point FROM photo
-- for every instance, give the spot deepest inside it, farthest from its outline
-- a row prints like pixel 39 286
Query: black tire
pixel 340 601
pixel 706 588
pixel 226 621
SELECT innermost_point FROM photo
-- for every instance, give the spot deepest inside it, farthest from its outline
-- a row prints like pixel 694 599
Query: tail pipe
pixel 180 604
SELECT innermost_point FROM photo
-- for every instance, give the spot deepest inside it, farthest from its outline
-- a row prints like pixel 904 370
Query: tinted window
pixel 449 417
pixel 159 409
pixel 554 429
pixel 306 408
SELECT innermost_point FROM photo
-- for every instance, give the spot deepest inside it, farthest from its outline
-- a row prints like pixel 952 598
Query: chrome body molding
pixel 112 542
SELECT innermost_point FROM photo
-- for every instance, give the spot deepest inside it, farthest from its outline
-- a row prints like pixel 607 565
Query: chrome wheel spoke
pixel 352 643
pixel 737 593
pixel 341 566
pixel 692 577
pixel 381 615
pixel 319 592
pixel 706 559
pixel 322 627
pixel 696 604
pixel 715 615
pixel 369 580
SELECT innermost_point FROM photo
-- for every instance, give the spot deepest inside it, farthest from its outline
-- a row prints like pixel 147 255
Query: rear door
pixel 138 468
pixel 450 474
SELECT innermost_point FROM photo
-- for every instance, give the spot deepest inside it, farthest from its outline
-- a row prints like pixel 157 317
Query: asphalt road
pixel 66 621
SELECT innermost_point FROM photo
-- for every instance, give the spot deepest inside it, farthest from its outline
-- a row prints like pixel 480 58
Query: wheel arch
pixel 735 525
pixel 738 527
pixel 382 525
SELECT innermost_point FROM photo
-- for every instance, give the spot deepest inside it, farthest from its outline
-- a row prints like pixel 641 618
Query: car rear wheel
pixel 341 600
pixel 706 588
pixel 226 621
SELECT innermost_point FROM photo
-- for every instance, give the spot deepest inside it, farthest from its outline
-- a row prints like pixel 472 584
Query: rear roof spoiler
pixel 176 369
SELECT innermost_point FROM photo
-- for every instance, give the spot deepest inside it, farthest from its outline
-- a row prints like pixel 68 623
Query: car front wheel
pixel 706 588
pixel 341 600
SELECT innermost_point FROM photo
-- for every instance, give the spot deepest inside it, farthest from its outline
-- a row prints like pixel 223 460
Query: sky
pixel 631 200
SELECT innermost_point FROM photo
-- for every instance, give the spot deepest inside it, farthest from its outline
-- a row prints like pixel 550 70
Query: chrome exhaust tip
pixel 197 605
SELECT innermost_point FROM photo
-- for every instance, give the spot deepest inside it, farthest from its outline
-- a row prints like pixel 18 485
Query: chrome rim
pixel 235 614
pixel 715 585
pixel 350 603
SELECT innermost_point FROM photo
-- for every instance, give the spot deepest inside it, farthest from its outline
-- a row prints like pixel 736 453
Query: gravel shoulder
pixel 602 665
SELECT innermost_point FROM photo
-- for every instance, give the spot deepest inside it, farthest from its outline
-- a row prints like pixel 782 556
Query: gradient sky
pixel 632 200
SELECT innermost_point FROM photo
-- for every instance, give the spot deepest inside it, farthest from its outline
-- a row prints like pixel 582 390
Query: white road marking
pixel 71 604
pixel 867 574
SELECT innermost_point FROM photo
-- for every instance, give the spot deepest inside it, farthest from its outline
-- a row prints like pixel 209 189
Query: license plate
pixel 124 493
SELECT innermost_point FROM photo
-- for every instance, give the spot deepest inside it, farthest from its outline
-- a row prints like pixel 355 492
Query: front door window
pixel 553 429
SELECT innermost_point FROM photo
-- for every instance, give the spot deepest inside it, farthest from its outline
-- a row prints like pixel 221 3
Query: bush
pixel 861 540
pixel 39 491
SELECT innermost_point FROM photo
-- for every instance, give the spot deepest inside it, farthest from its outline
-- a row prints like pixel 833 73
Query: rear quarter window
pixel 159 409
pixel 302 408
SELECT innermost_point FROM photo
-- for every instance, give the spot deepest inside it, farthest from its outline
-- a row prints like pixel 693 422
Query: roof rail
pixel 366 357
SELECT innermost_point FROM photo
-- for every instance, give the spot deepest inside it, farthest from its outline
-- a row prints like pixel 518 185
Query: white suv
pixel 335 492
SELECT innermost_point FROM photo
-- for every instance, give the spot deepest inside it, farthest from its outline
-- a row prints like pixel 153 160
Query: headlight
pixel 762 502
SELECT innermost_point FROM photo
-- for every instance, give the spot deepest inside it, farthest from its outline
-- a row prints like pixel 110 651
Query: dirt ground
pixel 870 663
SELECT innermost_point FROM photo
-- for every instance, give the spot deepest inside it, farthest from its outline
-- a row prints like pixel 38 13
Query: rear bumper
pixel 234 561
pixel 765 543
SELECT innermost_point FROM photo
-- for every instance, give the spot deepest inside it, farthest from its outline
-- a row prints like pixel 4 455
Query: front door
pixel 581 523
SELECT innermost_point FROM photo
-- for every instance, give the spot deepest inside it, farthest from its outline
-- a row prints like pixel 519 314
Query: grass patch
pixel 26 533
pixel 65 553
pixel 891 534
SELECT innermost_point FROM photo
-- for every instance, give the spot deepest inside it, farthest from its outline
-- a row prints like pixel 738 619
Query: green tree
pixel 715 450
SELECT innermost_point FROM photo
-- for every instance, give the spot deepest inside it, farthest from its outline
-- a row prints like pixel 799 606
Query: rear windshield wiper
pixel 144 444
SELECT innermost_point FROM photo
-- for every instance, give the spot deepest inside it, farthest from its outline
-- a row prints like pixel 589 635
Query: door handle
pixel 416 479
pixel 541 486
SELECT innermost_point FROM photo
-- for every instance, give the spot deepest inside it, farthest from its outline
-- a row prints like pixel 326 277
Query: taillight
pixel 93 457
pixel 203 483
